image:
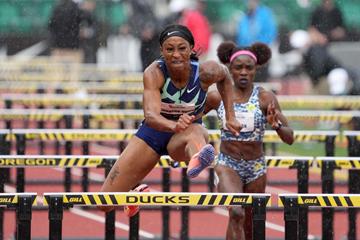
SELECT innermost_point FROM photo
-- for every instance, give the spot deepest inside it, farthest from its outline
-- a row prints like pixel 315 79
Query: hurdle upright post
pixel 85 148
pixel 259 217
pixel 291 215
pixel 134 227
pixel 185 210
pixel 68 151
pixel 23 215
pixel 4 176
pixel 303 187
pixel 353 185
pixel 109 216
pixel 20 172
pixel 166 209
pixel 327 181
pixel 56 210
pixel 8 105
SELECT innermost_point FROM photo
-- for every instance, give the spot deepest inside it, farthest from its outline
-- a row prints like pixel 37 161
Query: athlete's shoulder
pixel 153 74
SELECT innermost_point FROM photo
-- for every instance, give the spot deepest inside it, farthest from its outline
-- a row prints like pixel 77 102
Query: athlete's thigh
pixel 256 186
pixel 134 163
pixel 229 180
pixel 195 134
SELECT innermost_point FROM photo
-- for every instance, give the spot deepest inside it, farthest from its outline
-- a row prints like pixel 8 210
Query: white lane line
pixel 78 172
pixel 268 224
pixel 101 219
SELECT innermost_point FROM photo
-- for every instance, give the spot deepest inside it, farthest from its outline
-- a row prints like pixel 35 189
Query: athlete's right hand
pixel 234 126
pixel 184 121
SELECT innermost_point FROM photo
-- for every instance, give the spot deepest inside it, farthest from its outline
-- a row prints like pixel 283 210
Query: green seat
pixel 9 17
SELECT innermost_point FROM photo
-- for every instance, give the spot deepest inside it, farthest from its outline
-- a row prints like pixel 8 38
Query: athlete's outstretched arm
pixel 213 72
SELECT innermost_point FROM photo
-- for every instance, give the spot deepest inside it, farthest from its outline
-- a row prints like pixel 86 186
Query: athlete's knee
pixel 237 214
pixel 106 209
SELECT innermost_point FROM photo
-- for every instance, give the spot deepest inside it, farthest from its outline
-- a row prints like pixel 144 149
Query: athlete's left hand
pixel 272 115
pixel 183 122
pixel 233 126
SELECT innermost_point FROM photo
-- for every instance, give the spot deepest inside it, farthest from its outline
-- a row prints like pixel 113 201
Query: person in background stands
pixel 64 28
pixel 175 91
pixel 326 25
pixel 89 31
pixel 191 14
pixel 257 25
pixel 241 166
pixel 144 25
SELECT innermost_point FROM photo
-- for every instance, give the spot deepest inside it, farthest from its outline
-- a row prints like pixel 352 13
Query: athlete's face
pixel 176 52
pixel 243 70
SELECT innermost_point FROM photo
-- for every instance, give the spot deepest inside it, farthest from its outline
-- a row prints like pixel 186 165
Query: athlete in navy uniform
pixel 175 90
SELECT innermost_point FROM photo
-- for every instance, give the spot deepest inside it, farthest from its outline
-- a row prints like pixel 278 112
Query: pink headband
pixel 243 52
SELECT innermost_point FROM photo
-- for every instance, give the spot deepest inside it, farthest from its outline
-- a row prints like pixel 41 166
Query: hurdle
pixel 58 201
pixel 68 135
pixel 165 162
pixel 69 161
pixel 22 202
pixel 327 166
pixel 35 114
pixel 104 100
pixel 132 87
pixel 135 101
pixel 71 87
pixel 353 138
pixel 292 202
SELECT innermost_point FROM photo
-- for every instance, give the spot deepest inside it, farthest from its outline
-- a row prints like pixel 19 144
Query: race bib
pixel 177 109
pixel 246 120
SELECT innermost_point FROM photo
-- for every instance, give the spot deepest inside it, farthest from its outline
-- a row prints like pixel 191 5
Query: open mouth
pixel 243 81
pixel 177 62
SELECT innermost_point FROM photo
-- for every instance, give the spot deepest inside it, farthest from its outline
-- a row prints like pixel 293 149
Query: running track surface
pixel 88 224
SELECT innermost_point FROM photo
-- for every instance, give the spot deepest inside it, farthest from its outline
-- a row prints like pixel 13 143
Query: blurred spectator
pixel 64 28
pixel 144 25
pixel 326 25
pixel 191 14
pixel 89 30
pixel 257 25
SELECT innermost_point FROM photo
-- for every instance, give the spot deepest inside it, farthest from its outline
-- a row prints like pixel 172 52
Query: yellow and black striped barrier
pixel 292 203
pixel 106 87
pixel 338 162
pixel 126 134
pixel 318 102
pixel 156 199
pixel 67 100
pixel 50 70
pixel 58 201
pixel 72 88
pixel 136 114
pixel 23 203
pixel 99 161
pixel 94 161
pixel 135 100
pixel 322 200
pixel 56 161
pixel 271 161
pixel 13 199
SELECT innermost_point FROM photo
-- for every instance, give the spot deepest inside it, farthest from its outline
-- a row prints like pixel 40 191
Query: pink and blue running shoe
pixel 201 160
